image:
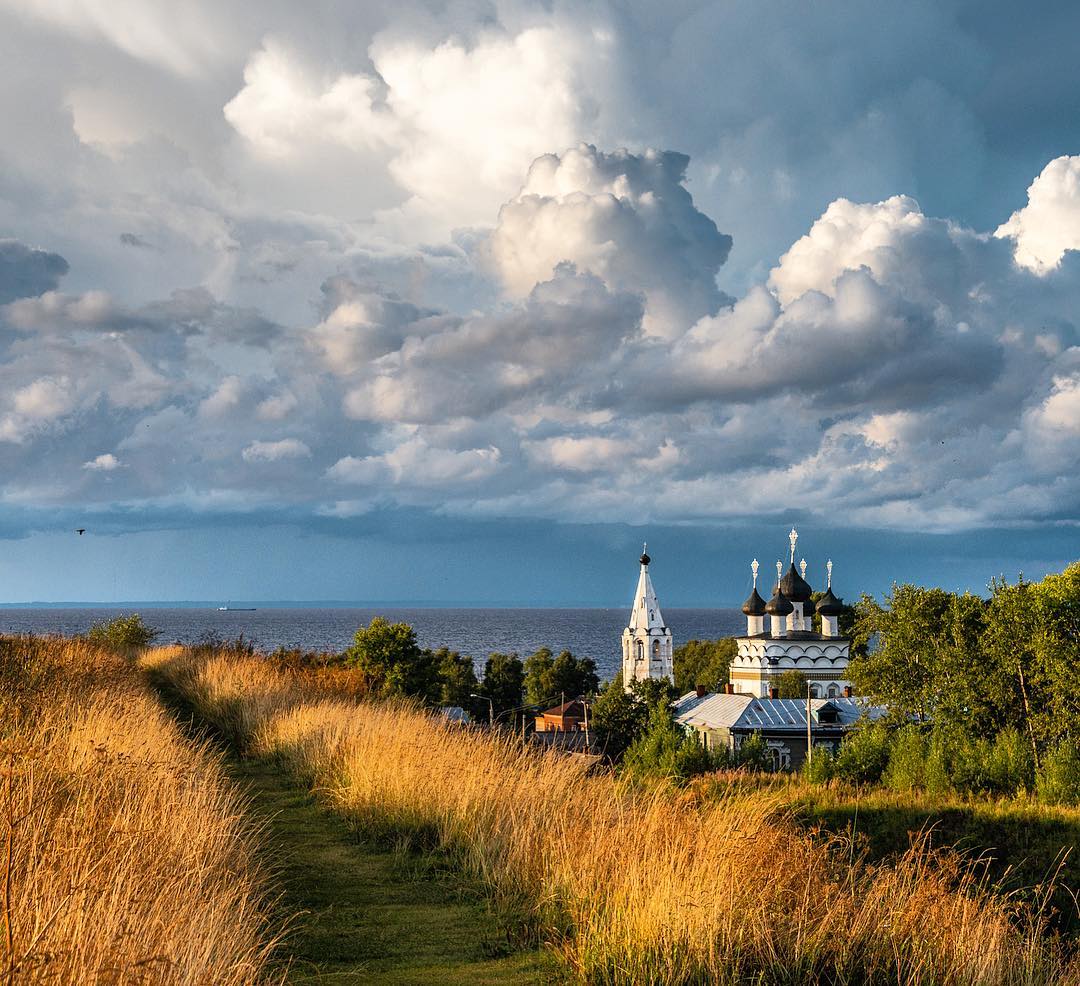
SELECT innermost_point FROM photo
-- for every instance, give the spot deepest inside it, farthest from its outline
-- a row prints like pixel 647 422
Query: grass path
pixel 366 917
pixel 360 914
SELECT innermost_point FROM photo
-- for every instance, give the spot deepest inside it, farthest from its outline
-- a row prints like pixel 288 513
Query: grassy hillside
pixel 127 855
pixel 625 886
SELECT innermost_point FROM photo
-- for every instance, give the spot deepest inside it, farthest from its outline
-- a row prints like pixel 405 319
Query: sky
pixel 463 301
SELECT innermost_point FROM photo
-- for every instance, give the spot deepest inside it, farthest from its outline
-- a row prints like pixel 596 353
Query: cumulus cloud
pixel 416 463
pixel 285 448
pixel 627 218
pixel 902 368
pixel 285 108
pixel 458 123
pixel 1050 222
pixel 106 462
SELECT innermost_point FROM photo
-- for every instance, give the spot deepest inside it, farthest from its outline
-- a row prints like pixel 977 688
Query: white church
pixel 779 636
pixel 646 642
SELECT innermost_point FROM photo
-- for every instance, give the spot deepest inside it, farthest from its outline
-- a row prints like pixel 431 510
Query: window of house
pixel 815 692
pixel 834 691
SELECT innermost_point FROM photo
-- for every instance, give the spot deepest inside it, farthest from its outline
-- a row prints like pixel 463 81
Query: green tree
pixel 124 633
pixel 548 678
pixel 504 681
pixel 392 661
pixel 926 659
pixel 791 684
pixel 654 691
pixel 703 662
pixel 620 717
pixel 456 677
pixel 665 750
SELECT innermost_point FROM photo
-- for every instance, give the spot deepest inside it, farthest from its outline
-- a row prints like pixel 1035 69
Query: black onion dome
pixel 795 587
pixel 755 605
pixel 829 605
pixel 779 605
pixel 645 559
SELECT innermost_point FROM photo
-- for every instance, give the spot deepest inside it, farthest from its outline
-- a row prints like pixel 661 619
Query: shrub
pixel 936 773
pixel 969 764
pixel 1011 766
pixel 864 754
pixel 752 754
pixel 907 759
pixel 819 768
pixel 1058 781
pixel 665 750
pixel 124 633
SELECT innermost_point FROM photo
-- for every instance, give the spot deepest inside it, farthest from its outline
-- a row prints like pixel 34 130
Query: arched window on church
pixel 656 648
pixel 834 691
pixel 815 692
pixel 640 648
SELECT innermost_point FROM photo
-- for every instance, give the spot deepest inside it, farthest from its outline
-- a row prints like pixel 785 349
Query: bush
pixel 1058 781
pixel 125 633
pixel 1012 768
pixel 819 769
pixel 752 754
pixel 936 773
pixel 864 754
pixel 665 750
pixel 907 759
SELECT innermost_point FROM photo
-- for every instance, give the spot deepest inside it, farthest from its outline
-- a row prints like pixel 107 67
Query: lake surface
pixel 591 633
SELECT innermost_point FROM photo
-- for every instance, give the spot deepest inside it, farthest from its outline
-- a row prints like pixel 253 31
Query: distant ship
pixel 236 609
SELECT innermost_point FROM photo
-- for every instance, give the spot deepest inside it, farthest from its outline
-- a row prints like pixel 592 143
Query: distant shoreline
pixel 331 604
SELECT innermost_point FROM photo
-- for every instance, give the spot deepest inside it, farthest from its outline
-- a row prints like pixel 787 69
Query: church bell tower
pixel 646 642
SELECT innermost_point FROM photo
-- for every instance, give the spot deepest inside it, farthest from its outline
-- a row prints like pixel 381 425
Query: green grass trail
pixel 357 913
pixel 365 915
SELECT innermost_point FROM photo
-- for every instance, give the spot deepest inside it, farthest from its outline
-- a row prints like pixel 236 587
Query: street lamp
pixel 491 706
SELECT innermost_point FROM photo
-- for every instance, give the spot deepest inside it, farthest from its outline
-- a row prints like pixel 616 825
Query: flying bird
pixel 80 530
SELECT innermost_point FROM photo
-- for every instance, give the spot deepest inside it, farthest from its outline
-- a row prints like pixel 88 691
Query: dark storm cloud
pixel 26 272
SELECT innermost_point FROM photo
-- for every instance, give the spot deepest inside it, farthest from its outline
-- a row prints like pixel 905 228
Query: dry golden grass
pixel 629 887
pixel 126 854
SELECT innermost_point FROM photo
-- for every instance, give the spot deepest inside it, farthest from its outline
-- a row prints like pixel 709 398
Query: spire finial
pixel 645 559
pixel 802 568
pixel 828 568
pixel 793 537
pixel 779 571
pixel 754 569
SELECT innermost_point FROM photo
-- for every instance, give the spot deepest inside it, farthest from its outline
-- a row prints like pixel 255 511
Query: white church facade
pixel 647 650
pixel 780 636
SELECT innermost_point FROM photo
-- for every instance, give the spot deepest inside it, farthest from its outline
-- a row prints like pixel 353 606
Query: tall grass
pixel 125 854
pixel 628 886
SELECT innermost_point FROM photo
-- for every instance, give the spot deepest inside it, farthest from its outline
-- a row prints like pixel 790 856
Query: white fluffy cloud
pixel 1050 222
pixel 627 218
pixel 898 367
pixel 106 462
pixel 457 123
pixel 285 108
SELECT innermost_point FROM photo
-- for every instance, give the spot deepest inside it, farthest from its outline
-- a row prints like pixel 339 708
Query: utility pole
pixel 809 734
pixel 585 706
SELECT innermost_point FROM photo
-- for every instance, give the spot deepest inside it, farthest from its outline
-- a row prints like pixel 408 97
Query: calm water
pixel 592 633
